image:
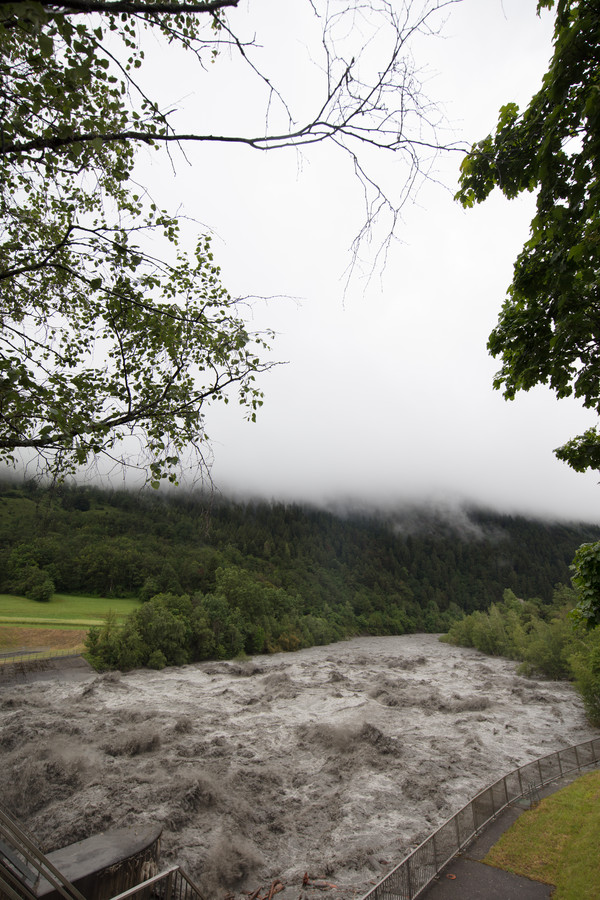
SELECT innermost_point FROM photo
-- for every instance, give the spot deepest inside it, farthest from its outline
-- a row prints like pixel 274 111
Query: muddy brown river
pixel 331 762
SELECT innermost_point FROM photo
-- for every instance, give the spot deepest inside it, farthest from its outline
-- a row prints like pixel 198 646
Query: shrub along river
pixel 331 762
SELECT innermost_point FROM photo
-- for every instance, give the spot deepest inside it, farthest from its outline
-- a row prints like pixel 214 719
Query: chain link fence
pixel 12 657
pixel 22 665
pixel 416 871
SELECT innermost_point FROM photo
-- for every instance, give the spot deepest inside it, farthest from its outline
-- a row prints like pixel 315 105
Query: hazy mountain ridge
pixel 114 542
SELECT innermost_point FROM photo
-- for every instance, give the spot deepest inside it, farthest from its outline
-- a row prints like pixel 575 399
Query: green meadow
pixel 63 610
pixel 557 842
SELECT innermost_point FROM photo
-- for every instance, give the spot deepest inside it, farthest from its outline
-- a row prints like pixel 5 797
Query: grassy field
pixel 557 842
pixel 59 625
pixel 62 610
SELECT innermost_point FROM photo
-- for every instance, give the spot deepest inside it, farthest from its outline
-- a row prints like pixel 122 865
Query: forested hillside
pixel 323 575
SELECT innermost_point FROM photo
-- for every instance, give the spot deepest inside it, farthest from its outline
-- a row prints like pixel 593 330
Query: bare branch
pixel 103 336
pixel 314 132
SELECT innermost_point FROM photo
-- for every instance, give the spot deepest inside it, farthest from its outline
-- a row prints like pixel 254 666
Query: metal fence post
pixel 169 886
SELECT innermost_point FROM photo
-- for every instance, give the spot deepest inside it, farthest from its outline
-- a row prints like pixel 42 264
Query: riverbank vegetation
pixel 542 636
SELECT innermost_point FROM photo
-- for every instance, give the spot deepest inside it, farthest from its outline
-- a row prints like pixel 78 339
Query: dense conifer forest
pixel 256 576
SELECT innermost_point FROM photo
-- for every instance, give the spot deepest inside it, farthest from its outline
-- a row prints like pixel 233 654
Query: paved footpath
pixel 467 878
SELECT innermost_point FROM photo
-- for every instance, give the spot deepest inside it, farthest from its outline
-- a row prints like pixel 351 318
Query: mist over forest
pixel 276 576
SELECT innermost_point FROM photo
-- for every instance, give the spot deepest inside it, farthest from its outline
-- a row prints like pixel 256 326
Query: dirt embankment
pixel 332 761
pixel 18 637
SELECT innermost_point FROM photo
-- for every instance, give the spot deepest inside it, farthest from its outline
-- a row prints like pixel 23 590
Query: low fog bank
pixel 437 513
pixel 409 513
pixel 333 761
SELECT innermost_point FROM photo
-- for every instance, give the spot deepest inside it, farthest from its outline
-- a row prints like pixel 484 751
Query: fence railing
pixel 22 657
pixel 23 867
pixel 417 870
pixel 172 884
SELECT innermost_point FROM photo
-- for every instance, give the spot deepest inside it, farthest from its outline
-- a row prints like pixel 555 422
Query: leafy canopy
pixel 108 328
pixel 548 331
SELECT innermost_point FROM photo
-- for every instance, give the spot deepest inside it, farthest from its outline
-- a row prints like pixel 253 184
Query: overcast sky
pixel 387 391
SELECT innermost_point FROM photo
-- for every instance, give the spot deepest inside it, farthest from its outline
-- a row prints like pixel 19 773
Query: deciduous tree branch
pixel 127 6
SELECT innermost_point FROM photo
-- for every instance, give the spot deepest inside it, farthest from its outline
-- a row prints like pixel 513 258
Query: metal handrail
pixel 166 875
pixel 23 866
pixel 416 871
pixel 171 884
pixel 33 859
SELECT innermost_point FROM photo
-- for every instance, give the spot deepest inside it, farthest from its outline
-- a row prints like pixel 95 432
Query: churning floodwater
pixel 330 762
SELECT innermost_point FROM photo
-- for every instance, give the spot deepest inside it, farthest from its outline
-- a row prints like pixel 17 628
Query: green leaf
pixel 46 45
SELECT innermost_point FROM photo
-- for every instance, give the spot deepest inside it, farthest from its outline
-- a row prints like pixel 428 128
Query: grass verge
pixel 557 842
